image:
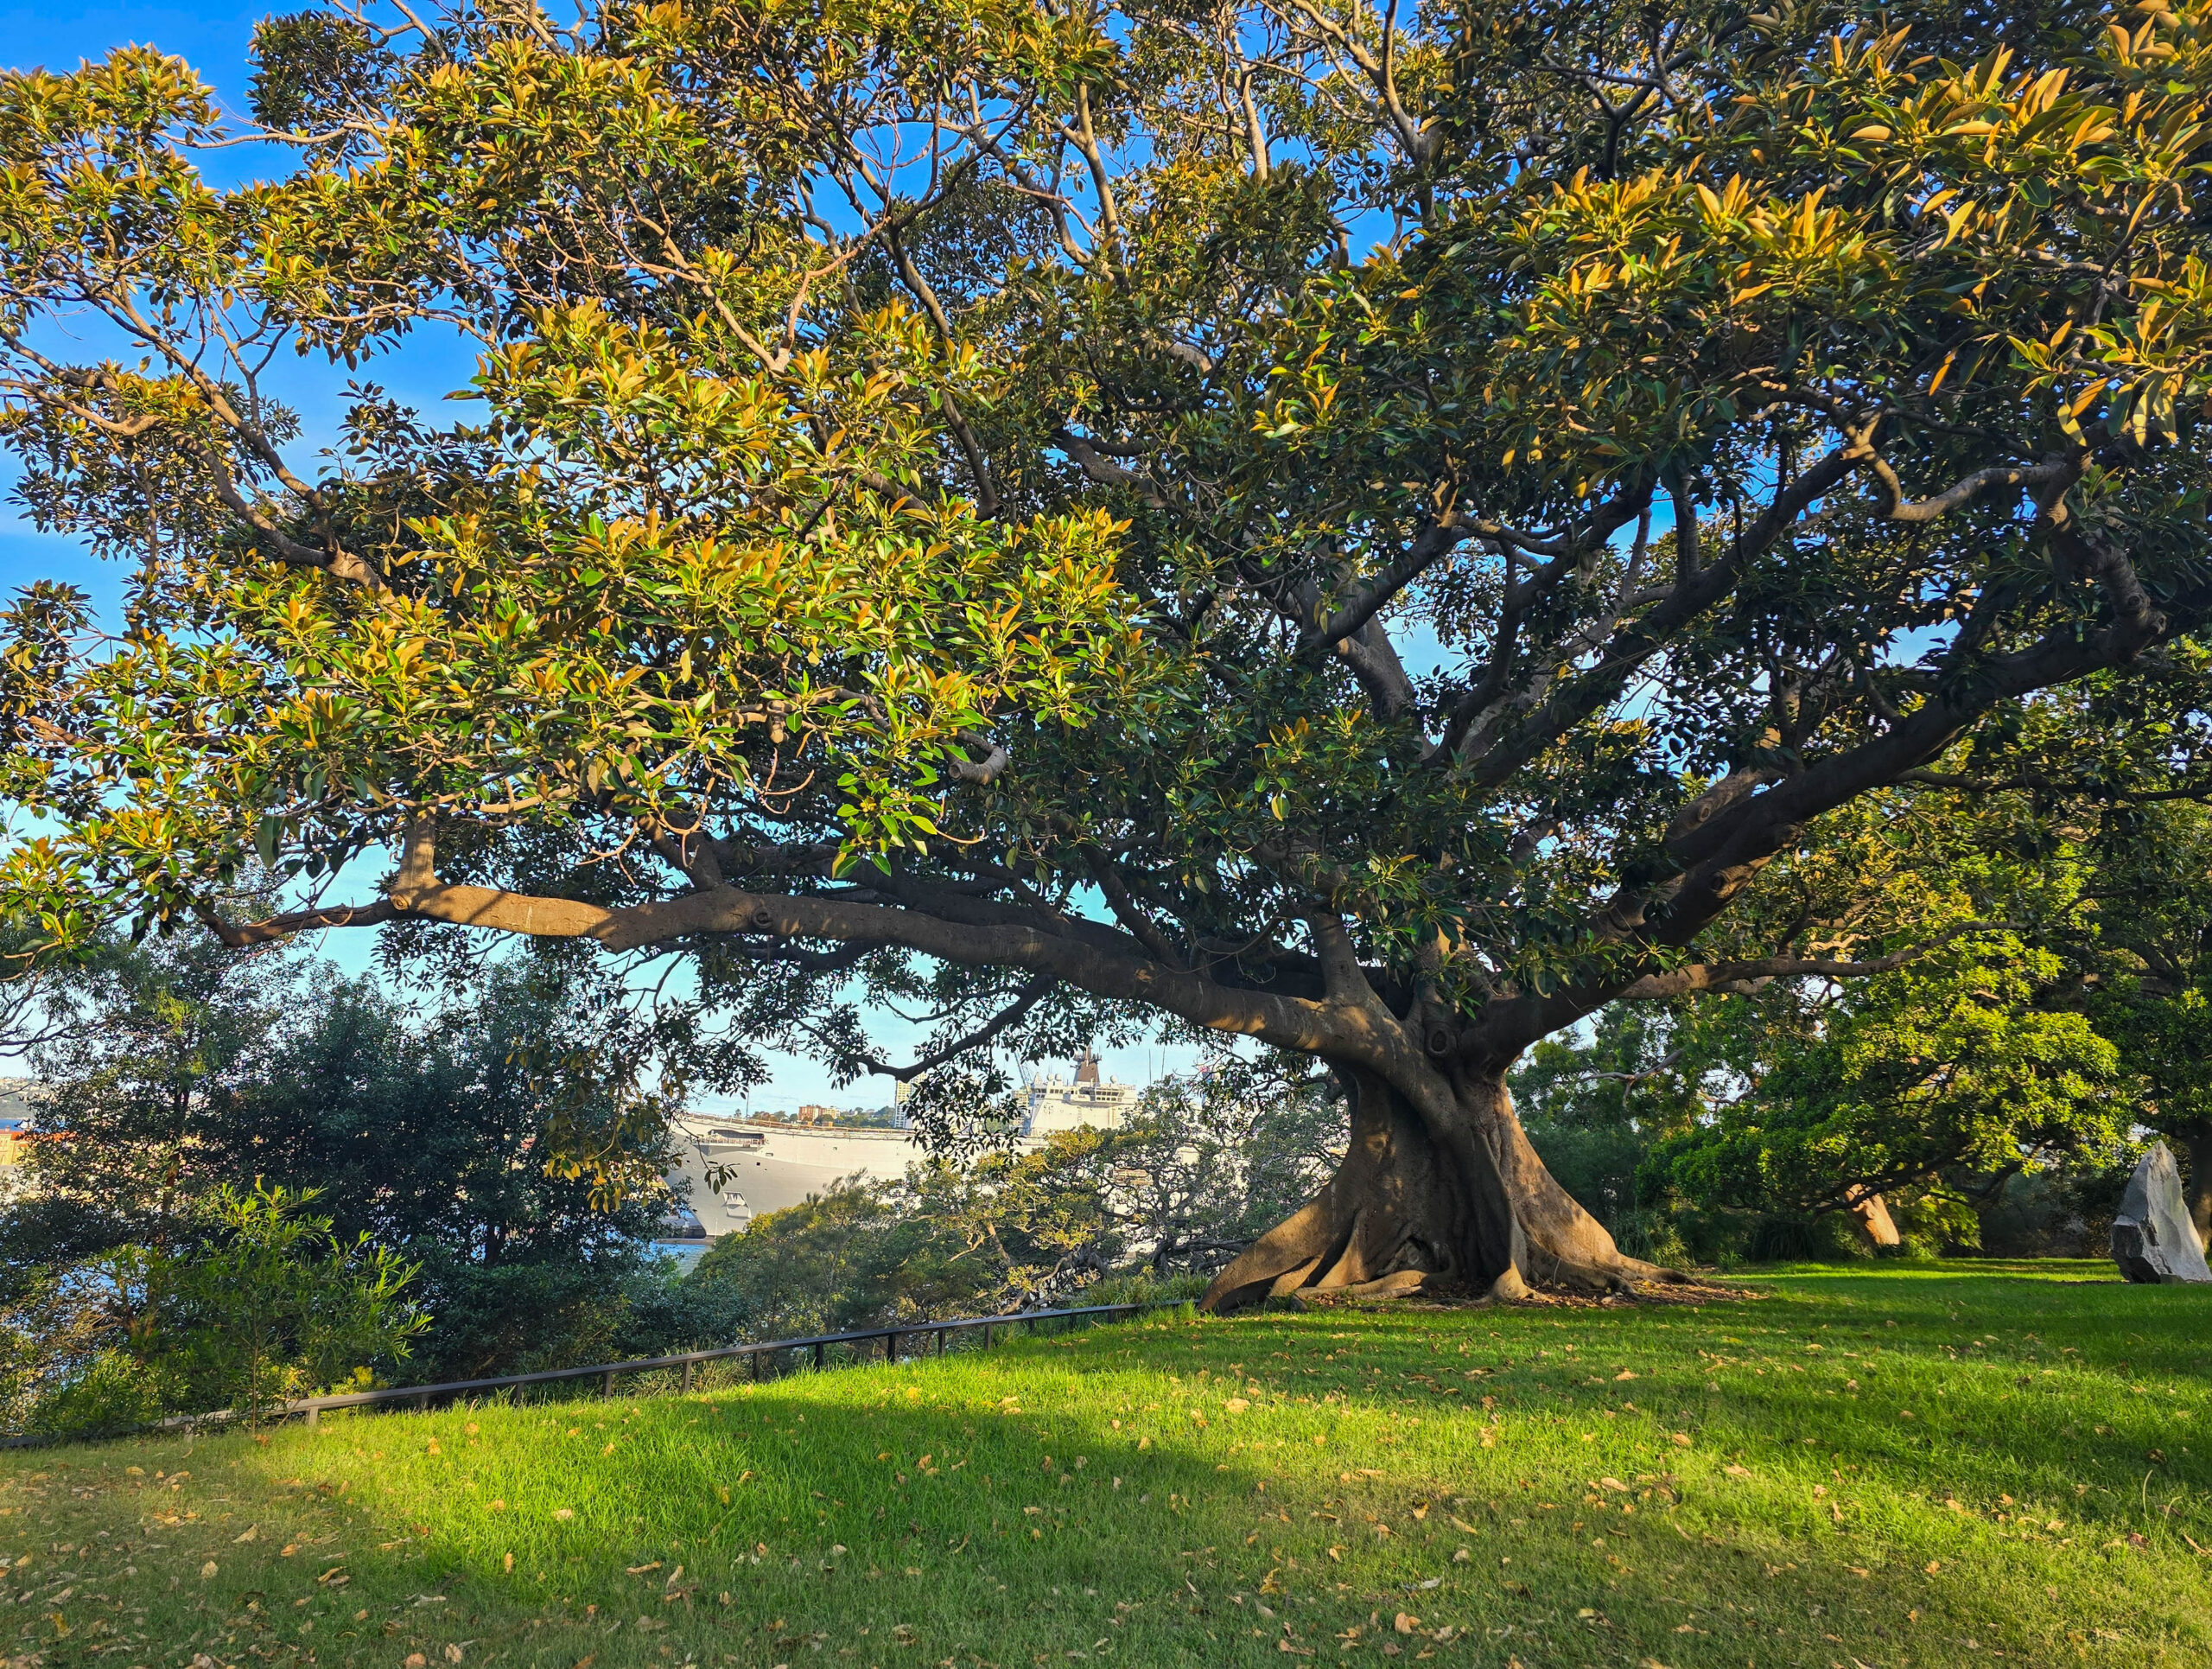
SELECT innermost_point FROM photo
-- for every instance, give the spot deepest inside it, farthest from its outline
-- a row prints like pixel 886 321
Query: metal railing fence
pixel 769 1358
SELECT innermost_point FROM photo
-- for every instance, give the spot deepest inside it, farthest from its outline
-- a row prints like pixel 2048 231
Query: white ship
pixel 1055 1105
pixel 766 1164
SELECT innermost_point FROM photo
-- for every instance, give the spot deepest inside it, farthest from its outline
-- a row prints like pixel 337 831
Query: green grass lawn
pixel 1922 1465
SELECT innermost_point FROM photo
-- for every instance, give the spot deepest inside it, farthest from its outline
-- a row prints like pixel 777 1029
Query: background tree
pixel 189 1070
pixel 2107 782
pixel 1954 1059
pixel 2148 973
pixel 1219 1155
pixel 1597 1099
pixel 1951 1072
pixel 958 490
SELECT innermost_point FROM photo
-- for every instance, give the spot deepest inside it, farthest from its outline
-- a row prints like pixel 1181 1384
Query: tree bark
pixel 1873 1214
pixel 2197 1138
pixel 1447 1193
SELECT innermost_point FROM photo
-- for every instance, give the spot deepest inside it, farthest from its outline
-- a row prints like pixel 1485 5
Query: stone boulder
pixel 2153 1240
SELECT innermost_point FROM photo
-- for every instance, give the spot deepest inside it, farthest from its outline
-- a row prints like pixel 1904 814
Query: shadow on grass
pixel 967 1511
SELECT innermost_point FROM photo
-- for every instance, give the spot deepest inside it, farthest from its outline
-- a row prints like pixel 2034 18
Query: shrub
pixel 266 1304
pixel 114 1391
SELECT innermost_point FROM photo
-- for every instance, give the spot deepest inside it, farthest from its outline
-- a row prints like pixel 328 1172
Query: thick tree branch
pixel 1731 976
pixel 1651 632
pixel 272 929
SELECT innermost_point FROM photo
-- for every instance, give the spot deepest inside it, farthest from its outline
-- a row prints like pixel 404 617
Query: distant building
pixel 18 1122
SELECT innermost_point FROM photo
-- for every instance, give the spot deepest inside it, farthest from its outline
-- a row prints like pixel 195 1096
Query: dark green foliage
pixel 192 1069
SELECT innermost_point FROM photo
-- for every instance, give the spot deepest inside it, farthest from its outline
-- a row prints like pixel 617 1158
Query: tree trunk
pixel 1454 1198
pixel 1873 1214
pixel 2198 1138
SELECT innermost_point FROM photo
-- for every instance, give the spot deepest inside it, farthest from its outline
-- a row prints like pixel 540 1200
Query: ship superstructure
pixel 1089 1102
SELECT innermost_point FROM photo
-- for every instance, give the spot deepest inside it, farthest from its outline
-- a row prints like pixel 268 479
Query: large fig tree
pixel 1365 527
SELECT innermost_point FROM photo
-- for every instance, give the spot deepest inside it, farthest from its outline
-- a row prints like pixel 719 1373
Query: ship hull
pixel 764 1167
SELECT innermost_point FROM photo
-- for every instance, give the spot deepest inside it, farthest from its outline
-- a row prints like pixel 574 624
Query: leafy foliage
pixel 1958 1057
pixel 266 1304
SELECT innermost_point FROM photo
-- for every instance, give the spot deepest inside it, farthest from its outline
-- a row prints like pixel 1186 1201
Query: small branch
pixel 1089 457
pixel 1735 976
pixel 1435 543
pixel 1031 994
pixel 1961 493
pixel 1126 909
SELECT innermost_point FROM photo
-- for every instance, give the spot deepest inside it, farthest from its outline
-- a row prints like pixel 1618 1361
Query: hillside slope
pixel 1919 1466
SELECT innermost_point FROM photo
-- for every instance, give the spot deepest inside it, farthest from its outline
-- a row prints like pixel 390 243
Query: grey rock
pixel 2153 1240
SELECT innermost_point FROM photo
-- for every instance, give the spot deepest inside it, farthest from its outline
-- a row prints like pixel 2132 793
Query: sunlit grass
pixel 1911 1465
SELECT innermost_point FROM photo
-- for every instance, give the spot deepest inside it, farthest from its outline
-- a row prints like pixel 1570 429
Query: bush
pixel 114 1393
pixel 860 1255
pixel 521 1317
pixel 2065 1211
pixel 1935 1223
pixel 1655 1236
pixel 270 1305
pixel 664 1311
pixel 267 1304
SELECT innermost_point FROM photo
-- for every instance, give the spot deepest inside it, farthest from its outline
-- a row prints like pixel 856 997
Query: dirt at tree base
pixel 1453 1295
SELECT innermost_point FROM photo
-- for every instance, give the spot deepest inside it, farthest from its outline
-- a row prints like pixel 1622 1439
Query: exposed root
pixel 1432 1292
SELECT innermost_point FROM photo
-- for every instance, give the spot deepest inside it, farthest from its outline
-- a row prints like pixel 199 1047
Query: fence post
pixel 606 1383
pixel 818 1349
pixel 687 1379
pixel 756 1367
pixel 940 1342
pixel 314 1417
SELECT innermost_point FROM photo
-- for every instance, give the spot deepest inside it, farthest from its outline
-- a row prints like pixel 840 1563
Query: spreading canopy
pixel 1369 529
